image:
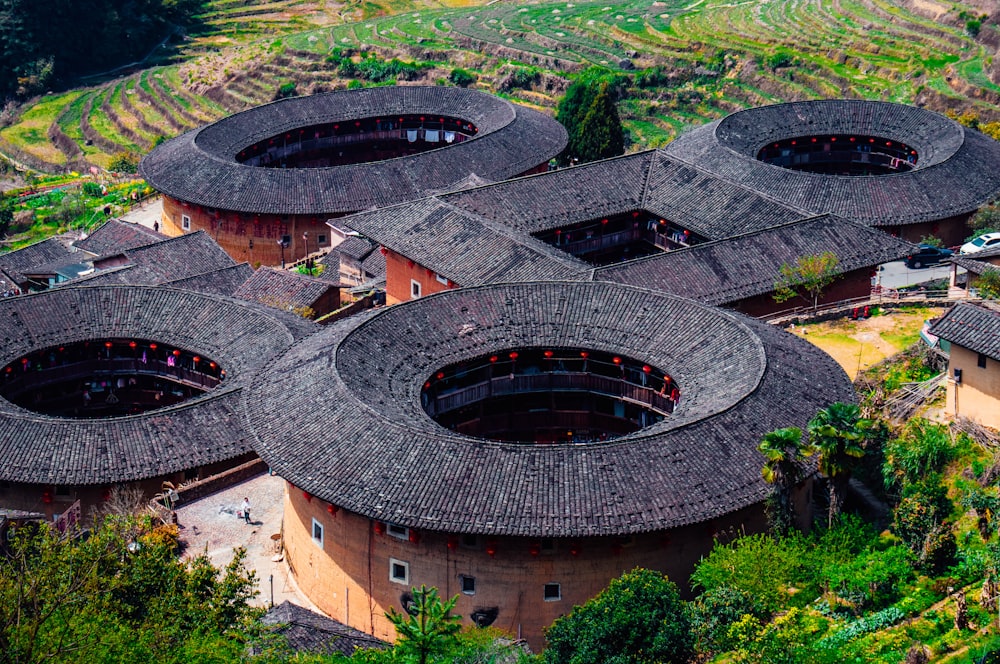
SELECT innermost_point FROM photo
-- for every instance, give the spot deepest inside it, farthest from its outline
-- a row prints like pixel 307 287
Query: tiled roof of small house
pixel 725 271
pixel 115 235
pixel 203 430
pixel 955 172
pixel 980 261
pixel 14 263
pixel 223 281
pixel 975 326
pixel 201 166
pixel 306 631
pixel 167 260
pixel 361 439
pixel 283 289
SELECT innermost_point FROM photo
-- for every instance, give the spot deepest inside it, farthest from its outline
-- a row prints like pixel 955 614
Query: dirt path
pixel 857 345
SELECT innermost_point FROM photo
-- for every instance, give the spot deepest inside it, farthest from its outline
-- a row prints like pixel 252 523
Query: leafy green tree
pixel 783 450
pixel 638 618
pixel 838 433
pixel 124 162
pixel 590 116
pixel 6 213
pixel 988 284
pixel 120 594
pixel 430 630
pixel 715 611
pixel 808 277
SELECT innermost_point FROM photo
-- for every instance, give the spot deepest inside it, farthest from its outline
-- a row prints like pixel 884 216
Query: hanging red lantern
pixel 196 359
pixel 47 497
pixel 604 222
pixel 635 214
pixel 332 509
pixel 548 354
pixel 574 550
pixel 307 496
pixel 131 344
pixel 439 375
pixel 379 528
pixel 534 550
pixel 383 251
pixel 414 537
pixel 107 344
pixel 646 369
pixel 177 353
pixel 513 355
pixel 493 358
pixel 427 385
pixel 452 542
pixel 491 548
pixel 584 354
pixel 152 346
pixel 211 365
pixel 616 360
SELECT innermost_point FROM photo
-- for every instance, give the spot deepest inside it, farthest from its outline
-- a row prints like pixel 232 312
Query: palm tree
pixel 839 434
pixel 783 449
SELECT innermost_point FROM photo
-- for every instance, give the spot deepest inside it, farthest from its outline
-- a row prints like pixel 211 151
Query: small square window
pixel 185 222
pixel 441 280
pixel 317 532
pixel 415 288
pixel 399 571
pixel 470 541
pixel 468 584
pixel 981 361
pixel 548 545
pixel 399 532
pixel 552 592
pixel 321 239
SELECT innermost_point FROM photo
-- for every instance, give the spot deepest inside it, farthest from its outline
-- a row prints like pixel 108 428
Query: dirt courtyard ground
pixel 857 345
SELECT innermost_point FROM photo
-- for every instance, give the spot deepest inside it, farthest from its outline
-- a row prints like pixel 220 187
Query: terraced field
pixel 687 62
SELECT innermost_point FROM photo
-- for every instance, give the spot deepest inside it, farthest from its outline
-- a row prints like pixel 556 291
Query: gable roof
pixel 13 264
pixel 282 289
pixel 975 326
pixel 307 631
pixel 116 235
pixel 223 281
pixel 725 271
pixel 168 260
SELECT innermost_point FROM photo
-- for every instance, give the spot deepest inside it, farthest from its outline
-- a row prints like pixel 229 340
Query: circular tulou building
pixel 263 182
pixel 125 386
pixel 520 445
pixel 904 169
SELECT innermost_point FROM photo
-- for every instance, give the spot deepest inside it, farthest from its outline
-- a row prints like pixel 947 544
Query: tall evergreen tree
pixel 589 114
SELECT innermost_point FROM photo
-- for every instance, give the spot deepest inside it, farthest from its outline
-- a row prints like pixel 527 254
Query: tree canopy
pixel 590 116
pixel 639 618
pixel 807 277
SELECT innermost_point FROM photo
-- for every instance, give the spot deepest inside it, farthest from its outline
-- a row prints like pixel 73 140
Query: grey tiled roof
pixel 14 263
pixel 204 430
pixel 200 166
pixel 115 235
pixel 956 173
pixel 975 326
pixel 223 281
pixel 306 631
pixel 462 246
pixel 168 260
pixel 361 439
pixel 726 271
pixel 282 289
pixel 979 261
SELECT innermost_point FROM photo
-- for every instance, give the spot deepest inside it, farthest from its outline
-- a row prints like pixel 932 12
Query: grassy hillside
pixel 687 62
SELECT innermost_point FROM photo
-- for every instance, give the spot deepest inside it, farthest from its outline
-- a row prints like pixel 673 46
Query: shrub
pixel 873 579
pixel 923 447
pixel 715 611
pixel 638 618
pixel 124 162
pixel 285 91
pixel 461 77
pixel 92 189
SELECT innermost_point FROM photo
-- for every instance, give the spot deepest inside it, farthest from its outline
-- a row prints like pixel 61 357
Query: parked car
pixel 988 241
pixel 928 255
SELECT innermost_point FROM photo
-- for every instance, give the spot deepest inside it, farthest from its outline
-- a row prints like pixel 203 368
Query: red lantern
pixel 427 385
pixel 439 375
pixel 534 550
pixel 107 344
pixel 493 358
pixel 616 360
pixel 414 537
pixel 410 262
pixel 452 542
pixel 307 496
pixel 604 222
pixel 211 365
pixel 635 214
pixel 491 548
pixel 548 354
pixel 47 497
pixel 152 346
pixel 574 550
pixel 379 528
pixel 177 353
pixel 513 355
pixel 584 354
pixel 646 369
pixel 196 359
pixel 383 251
pixel 332 509
pixel 131 344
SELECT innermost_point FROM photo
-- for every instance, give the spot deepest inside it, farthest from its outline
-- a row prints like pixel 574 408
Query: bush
pixel 124 162
pixel 285 91
pixel 638 618
pixel 92 189
pixel 873 579
pixel 715 611
pixel 972 27
pixel 461 77
pixel 922 448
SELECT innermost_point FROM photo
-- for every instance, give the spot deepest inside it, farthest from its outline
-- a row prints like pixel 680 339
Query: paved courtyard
pixel 210 525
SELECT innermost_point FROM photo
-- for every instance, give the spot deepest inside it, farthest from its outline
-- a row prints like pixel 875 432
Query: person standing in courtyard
pixel 245 508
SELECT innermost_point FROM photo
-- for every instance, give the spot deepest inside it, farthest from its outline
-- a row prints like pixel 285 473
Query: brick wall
pixel 401 272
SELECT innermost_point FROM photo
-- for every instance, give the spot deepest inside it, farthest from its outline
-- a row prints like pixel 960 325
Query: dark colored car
pixel 928 255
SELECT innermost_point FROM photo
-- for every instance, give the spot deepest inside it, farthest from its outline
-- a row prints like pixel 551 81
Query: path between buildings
pixel 210 525
pixel 145 213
